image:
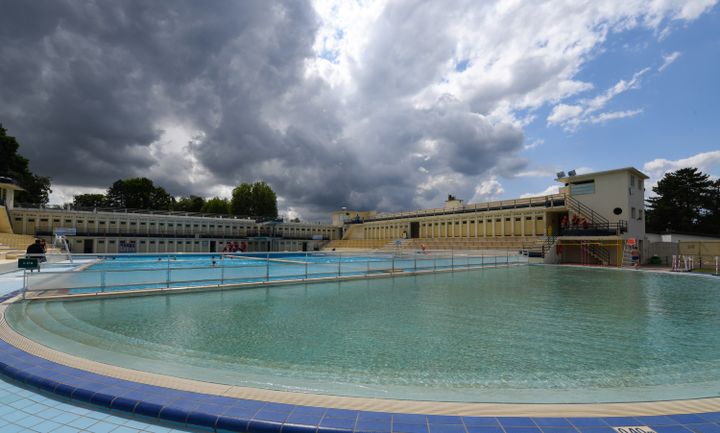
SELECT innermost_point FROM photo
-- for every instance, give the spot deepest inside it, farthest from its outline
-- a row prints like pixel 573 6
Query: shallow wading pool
pixel 518 334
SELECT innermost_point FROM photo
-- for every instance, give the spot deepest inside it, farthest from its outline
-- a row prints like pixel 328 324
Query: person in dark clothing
pixel 36 251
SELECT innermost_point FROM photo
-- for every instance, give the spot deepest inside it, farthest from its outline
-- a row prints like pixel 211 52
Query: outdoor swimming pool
pixel 510 334
pixel 113 273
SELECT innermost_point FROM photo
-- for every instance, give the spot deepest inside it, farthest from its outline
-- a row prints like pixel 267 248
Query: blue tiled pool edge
pixel 226 414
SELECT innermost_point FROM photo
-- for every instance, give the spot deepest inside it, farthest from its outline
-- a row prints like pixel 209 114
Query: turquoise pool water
pixel 140 271
pixel 519 334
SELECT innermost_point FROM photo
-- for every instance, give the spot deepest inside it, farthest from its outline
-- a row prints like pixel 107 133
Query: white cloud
pixel 668 60
pixel 563 113
pixel 552 189
pixel 534 143
pixel 487 190
pixel 613 115
pixel 572 116
pixel 62 194
pixel 707 162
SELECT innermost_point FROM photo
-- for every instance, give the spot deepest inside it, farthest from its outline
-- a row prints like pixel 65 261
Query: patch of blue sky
pixel 462 65
pixel 679 104
pixel 330 55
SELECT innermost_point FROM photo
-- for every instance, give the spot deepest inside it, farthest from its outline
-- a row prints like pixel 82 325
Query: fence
pixel 704 253
pixel 96 274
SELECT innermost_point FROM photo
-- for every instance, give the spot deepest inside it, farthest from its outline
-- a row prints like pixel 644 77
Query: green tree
pixel 217 205
pixel 264 200
pixel 138 193
pixel 683 202
pixel 89 200
pixel 13 165
pixel 256 199
pixel 241 202
pixel 192 203
pixel 711 221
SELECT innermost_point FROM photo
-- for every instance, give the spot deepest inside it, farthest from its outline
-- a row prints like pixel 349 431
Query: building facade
pixel 126 232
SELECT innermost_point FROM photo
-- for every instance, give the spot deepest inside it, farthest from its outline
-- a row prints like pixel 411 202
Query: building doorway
pixel 414 229
pixel 88 246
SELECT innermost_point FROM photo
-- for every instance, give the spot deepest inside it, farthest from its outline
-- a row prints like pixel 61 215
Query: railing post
pixel 222 271
pixel 102 281
pixel 415 262
pixel 393 263
pixel 24 289
pixel 452 258
pixel 339 264
pixel 267 267
pixel 167 277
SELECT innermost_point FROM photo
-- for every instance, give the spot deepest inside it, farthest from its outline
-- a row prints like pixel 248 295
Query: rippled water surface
pixel 521 334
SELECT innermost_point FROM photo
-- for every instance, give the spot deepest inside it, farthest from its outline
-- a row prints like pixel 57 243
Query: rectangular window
pixel 580 188
pixel 632 212
pixel 44 220
pixel 632 180
pixel 31 220
pixel 640 212
pixel 56 220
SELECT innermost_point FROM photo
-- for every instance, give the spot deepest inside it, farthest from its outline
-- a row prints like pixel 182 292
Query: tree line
pixel 248 199
pixel 686 201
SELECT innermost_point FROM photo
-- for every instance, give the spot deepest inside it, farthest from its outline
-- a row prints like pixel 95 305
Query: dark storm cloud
pixel 88 85
pixel 88 82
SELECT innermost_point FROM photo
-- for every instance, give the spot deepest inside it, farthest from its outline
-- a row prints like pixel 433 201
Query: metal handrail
pixel 539 201
pixel 585 211
pixel 97 279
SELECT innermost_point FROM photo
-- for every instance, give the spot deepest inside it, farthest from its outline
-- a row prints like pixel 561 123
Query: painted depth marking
pixel 634 429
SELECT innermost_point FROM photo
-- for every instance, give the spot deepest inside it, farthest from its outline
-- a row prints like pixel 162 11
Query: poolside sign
pixel 65 231
pixel 28 263
pixel 634 429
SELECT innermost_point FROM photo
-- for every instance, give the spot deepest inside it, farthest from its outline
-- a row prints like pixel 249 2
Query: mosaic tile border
pixel 219 408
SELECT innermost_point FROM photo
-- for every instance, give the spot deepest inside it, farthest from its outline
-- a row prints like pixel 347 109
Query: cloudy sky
pixel 387 105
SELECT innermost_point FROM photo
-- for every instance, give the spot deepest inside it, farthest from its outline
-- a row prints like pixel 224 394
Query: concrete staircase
pixel 12 245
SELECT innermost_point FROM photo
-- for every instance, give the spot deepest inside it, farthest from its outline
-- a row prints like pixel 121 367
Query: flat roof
pixel 586 176
pixel 12 186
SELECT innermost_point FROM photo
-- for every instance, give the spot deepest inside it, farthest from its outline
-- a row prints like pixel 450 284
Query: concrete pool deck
pixel 214 407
